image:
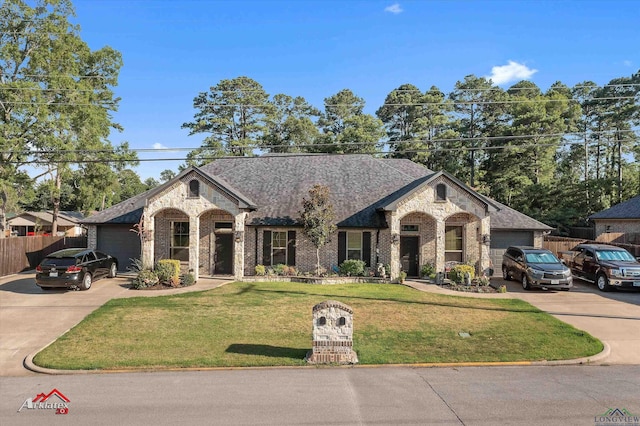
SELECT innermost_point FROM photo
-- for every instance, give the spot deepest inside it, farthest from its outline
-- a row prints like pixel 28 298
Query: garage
pixel 502 239
pixel 121 242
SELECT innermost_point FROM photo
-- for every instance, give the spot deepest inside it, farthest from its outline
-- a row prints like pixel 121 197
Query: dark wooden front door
pixel 409 255
pixel 223 257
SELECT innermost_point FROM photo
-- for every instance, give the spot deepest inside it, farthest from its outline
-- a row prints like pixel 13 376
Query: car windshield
pixel 58 261
pixel 614 255
pixel 542 257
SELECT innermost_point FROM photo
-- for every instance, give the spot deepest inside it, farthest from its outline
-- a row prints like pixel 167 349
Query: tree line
pixel 557 155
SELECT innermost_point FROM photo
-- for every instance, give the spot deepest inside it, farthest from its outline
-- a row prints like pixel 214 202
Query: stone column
pixel 485 247
pixel 149 239
pixel 394 222
pixel 194 246
pixel 92 237
pixel 238 245
pixel 440 244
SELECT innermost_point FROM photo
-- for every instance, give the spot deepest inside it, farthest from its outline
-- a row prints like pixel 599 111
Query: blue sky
pixel 172 50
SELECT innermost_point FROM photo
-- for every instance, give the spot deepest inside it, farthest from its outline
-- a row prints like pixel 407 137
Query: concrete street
pixel 566 395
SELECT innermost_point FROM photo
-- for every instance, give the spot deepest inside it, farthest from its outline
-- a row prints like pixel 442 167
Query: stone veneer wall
pixel 458 201
pixel 176 197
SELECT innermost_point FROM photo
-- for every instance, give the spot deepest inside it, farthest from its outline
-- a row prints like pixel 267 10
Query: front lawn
pixel 268 324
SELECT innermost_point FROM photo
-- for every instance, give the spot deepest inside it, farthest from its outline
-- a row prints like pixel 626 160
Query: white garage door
pixel 119 241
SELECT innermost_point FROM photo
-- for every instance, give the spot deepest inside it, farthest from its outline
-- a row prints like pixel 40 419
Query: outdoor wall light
pixel 486 239
pixel 238 236
pixel 395 238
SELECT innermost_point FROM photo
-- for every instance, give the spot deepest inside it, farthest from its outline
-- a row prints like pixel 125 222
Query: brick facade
pixel 213 204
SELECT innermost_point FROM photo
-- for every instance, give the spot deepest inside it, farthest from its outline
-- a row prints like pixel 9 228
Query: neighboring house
pixel 39 223
pixel 234 213
pixel 623 218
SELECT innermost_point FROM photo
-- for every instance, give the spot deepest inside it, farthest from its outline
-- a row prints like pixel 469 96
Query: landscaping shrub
pixel 188 280
pixel 427 270
pixel 279 269
pixel 290 271
pixel 145 278
pixel 352 268
pixel 457 273
pixel 403 276
pixel 167 270
pixel 260 270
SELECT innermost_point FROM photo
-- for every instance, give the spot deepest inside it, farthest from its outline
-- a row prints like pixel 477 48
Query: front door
pixel 409 255
pixel 223 256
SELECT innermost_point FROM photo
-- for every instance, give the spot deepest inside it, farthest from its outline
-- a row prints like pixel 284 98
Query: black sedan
pixel 75 269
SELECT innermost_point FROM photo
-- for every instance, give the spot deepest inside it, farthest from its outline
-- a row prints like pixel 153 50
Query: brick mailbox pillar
pixel 332 334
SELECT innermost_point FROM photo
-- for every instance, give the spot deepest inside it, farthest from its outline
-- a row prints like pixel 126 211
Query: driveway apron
pixel 612 317
pixel 31 318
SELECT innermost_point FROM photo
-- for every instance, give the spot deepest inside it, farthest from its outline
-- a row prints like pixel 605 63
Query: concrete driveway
pixel 612 317
pixel 31 318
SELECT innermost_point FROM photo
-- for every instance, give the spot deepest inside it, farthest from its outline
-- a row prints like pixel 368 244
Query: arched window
pixel 441 192
pixel 194 188
pixel 322 321
pixel 342 321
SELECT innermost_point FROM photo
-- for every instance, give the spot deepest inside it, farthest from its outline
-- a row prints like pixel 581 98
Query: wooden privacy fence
pixel 560 244
pixel 18 254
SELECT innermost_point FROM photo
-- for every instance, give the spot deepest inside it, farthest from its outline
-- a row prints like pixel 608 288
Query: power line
pixel 515 101
pixel 504 138
pixel 209 157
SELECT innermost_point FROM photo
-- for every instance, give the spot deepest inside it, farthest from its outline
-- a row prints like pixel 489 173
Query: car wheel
pixel 603 283
pixel 86 282
pixel 505 273
pixel 525 282
pixel 113 270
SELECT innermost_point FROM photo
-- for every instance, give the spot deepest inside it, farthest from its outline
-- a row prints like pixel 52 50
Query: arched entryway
pixel 171 239
pixel 417 242
pixel 462 239
pixel 217 232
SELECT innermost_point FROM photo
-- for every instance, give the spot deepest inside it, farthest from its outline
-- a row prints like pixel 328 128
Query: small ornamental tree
pixel 317 217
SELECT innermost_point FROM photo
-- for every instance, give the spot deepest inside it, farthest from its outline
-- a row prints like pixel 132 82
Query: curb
pixel 590 360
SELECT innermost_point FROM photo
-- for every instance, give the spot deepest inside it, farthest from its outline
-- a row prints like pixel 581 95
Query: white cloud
pixel 627 63
pixel 159 146
pixel 394 8
pixel 511 72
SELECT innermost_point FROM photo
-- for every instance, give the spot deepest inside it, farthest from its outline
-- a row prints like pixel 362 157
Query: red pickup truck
pixel 607 266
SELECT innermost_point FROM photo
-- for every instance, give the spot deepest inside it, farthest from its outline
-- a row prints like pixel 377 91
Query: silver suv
pixel 535 267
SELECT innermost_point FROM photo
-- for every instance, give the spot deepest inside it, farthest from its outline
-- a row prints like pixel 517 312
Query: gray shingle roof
pixel 359 186
pixel 277 184
pixel 629 209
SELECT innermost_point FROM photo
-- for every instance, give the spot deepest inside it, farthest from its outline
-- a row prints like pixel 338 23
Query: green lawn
pixel 268 324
